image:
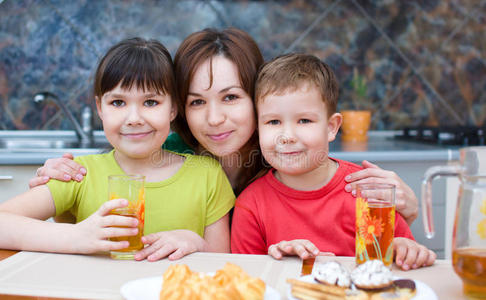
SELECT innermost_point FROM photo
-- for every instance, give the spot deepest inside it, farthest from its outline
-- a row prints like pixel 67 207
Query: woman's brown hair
pixel 240 48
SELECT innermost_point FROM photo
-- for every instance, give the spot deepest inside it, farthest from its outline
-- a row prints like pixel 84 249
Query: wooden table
pixel 440 277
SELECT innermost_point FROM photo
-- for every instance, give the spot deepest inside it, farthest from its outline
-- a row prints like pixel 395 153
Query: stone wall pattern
pixel 424 60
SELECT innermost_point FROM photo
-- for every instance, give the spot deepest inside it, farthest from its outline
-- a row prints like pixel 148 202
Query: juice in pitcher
pixel 470 265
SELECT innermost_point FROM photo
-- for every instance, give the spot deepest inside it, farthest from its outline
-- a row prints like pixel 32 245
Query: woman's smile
pixel 220 136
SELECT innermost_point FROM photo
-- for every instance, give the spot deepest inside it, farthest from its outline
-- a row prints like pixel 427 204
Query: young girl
pixel 187 197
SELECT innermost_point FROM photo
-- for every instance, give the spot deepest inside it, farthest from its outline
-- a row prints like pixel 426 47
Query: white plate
pixel 149 289
pixel 424 292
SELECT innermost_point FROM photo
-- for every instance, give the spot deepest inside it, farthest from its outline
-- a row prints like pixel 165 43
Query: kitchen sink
pixel 46 144
pixel 39 140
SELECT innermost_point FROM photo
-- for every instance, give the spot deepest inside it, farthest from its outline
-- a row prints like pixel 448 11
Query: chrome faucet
pixel 84 132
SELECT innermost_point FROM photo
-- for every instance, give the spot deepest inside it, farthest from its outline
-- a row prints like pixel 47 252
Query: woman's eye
pixel 117 103
pixel 273 122
pixel 150 103
pixel 196 102
pixel 304 121
pixel 230 97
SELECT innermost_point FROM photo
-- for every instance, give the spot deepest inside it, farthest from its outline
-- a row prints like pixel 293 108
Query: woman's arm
pixel 63 169
pixel 405 199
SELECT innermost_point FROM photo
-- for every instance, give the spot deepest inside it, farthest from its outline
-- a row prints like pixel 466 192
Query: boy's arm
pixel 246 236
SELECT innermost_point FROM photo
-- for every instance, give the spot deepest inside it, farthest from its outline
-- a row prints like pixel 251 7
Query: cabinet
pixel 14 179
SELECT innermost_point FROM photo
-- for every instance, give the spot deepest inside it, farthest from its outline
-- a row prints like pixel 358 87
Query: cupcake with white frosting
pixel 332 273
pixel 372 275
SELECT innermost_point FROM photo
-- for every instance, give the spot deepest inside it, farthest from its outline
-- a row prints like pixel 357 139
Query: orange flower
pixel 361 211
pixel 372 229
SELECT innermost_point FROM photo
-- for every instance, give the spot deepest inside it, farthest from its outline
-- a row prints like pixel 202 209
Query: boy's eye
pixel 230 97
pixel 273 122
pixel 150 103
pixel 196 102
pixel 117 103
pixel 304 121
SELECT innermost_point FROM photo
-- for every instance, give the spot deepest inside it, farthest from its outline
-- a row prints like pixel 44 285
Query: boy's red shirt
pixel 268 212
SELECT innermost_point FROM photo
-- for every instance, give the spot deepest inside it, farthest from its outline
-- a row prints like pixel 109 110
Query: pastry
pixel 372 275
pixel 332 273
pixel 229 283
pixel 304 290
pixel 405 287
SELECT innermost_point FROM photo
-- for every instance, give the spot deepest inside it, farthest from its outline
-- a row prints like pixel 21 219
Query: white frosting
pixel 371 273
pixel 332 273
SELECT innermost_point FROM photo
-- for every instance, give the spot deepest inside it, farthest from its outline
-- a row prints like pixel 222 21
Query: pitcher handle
pixel 431 174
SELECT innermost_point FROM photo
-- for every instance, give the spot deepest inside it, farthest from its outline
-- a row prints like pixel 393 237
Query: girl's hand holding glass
pixel 93 233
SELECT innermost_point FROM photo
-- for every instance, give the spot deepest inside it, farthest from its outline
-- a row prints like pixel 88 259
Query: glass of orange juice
pixel 375 222
pixel 130 187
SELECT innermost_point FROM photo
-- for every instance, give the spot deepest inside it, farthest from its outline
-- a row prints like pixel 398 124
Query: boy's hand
pixel 91 235
pixel 175 244
pixel 302 248
pixel 407 202
pixel 411 255
pixel 63 169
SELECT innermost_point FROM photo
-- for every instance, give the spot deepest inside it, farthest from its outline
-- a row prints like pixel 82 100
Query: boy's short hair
pixel 287 73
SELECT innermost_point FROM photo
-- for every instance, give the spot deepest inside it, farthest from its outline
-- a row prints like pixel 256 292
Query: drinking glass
pixel 131 188
pixel 375 222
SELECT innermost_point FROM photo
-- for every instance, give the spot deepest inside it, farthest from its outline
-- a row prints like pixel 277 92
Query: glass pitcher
pixel 469 232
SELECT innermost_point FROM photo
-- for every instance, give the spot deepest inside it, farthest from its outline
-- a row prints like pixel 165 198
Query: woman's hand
pixel 92 234
pixel 175 244
pixel 411 255
pixel 302 248
pixel 63 169
pixel 405 199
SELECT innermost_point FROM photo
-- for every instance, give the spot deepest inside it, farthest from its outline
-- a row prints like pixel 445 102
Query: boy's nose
pixel 215 115
pixel 285 139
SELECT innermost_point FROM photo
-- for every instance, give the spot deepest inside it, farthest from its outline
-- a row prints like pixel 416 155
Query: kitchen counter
pixel 381 147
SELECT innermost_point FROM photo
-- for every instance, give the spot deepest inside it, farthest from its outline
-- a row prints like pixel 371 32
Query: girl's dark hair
pixel 144 63
pixel 240 48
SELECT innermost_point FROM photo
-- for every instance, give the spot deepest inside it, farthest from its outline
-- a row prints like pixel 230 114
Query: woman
pixel 215 73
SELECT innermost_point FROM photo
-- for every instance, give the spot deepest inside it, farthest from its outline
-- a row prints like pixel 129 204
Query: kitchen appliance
pixel 445 135
pixel 469 232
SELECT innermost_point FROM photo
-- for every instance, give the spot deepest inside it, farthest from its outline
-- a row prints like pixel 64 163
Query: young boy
pixel 300 207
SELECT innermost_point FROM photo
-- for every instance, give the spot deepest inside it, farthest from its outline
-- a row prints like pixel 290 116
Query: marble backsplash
pixel 424 60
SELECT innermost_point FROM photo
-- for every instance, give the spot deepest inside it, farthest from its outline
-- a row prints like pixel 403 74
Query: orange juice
pixel 135 241
pixel 131 188
pixel 470 265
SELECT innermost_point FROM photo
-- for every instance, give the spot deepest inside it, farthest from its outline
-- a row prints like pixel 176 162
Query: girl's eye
pixel 273 122
pixel 230 97
pixel 150 103
pixel 118 103
pixel 304 121
pixel 196 102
